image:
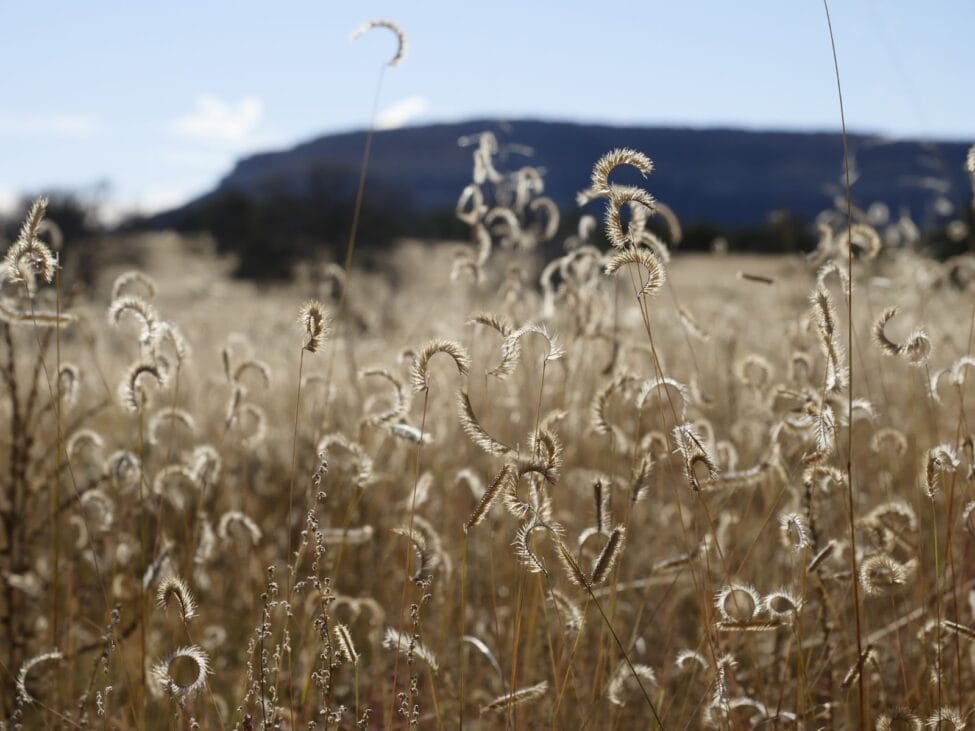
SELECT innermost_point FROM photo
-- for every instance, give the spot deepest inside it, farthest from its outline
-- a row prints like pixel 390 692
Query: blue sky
pixel 158 99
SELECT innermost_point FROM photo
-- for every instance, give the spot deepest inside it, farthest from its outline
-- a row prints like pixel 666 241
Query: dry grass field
pixel 470 488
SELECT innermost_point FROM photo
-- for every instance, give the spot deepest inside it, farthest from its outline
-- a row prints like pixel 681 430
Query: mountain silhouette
pixel 274 207
pixel 730 177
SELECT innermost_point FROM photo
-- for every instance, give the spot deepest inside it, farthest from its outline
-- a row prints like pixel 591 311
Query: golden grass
pixel 623 503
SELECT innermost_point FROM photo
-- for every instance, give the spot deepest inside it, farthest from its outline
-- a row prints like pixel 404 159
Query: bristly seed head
pixel 161 672
pixel 173 587
pixel 313 317
pixel 23 696
pixel 29 257
pixel 397 58
pixel 795 535
pixel 738 602
pixel 614 159
pixel 344 638
pixel 419 373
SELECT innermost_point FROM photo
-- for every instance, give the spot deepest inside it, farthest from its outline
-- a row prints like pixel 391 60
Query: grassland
pixel 472 486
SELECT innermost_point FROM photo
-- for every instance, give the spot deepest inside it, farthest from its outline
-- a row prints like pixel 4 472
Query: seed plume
pixel 624 672
pixel 29 257
pixel 22 695
pixel 419 373
pixel 132 390
pixel 917 348
pixel 608 557
pixel 313 318
pixel 161 671
pixel 613 220
pixel 390 25
pixel 344 638
pixel 498 486
pixel 140 309
pixel 643 257
pixel 409 646
pixel 614 159
pixel 522 695
pixel 173 587
pixel 698 463
pixel 125 280
pixel 472 427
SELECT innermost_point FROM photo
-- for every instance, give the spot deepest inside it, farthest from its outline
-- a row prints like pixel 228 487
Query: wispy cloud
pixel 219 120
pixel 145 202
pixel 8 201
pixel 400 113
pixel 159 199
pixel 48 125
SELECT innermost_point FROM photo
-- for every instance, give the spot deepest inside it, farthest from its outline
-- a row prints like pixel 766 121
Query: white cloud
pixel 8 201
pixel 145 202
pixel 218 120
pixel 399 113
pixel 161 199
pixel 49 125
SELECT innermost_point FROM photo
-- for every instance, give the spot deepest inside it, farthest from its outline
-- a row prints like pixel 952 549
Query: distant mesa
pixel 729 177
pixel 278 208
